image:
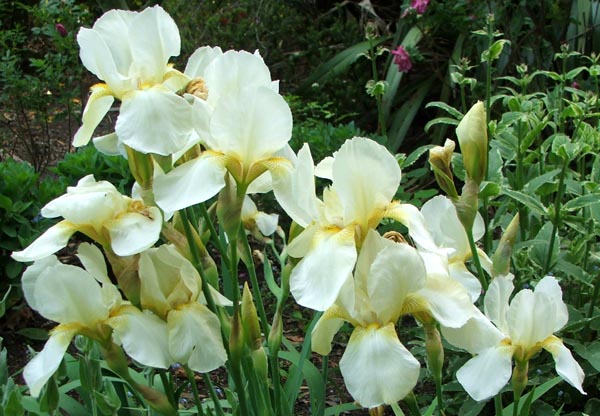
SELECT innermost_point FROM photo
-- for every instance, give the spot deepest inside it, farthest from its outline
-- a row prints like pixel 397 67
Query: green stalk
pixel 498 404
pixel 190 375
pixel 210 302
pixel 213 231
pixel 256 291
pixel 487 236
pixel 557 218
pixel 168 386
pixel 378 100
pixel 476 261
pixel 213 394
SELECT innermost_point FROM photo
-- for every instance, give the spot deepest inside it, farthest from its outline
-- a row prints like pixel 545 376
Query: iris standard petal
pixel 98 58
pixel 195 337
pixel 93 261
pixel 377 368
pixel 39 370
pixel 143 336
pixel 154 38
pixel 134 232
pixel 52 240
pixel 566 366
pixel 396 272
pixel 484 375
pixel 233 71
pixel 154 120
pixel 496 301
pixel 365 177
pixel 96 108
pixel 54 290
pixel 318 278
pixel 446 229
pixel 528 318
pixel 190 183
pixel 549 286
pixel 251 124
pixel 200 59
pixel 295 191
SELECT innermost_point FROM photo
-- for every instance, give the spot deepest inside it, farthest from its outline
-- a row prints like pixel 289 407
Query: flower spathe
pixel 515 331
pixel 130 51
pixel 55 291
pixel 365 177
pixel 390 281
pixel 98 210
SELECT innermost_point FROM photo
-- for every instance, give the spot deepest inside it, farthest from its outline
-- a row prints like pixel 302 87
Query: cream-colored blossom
pixel 98 210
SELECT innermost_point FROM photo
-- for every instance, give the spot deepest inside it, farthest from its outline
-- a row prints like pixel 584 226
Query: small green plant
pixel 41 77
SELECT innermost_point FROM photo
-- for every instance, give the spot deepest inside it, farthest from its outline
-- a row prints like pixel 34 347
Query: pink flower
pixel 402 59
pixel 61 29
pixel 419 5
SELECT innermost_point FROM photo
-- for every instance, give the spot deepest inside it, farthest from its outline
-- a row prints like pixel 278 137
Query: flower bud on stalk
pixel 229 208
pixel 276 333
pixel 435 350
pixel 466 205
pixel 501 259
pixel 440 159
pixel 117 362
pixel 252 333
pixel 473 140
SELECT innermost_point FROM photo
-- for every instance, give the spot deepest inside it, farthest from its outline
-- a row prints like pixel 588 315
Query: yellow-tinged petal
pixel 134 232
pixel 484 375
pixel 143 335
pixel 566 366
pixel 317 279
pixel 327 326
pixel 52 240
pixel 195 337
pixel 39 370
pixel 96 108
pixel 377 368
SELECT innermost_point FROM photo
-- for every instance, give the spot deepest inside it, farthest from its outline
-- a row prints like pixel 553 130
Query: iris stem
pixel 476 261
pixel 192 380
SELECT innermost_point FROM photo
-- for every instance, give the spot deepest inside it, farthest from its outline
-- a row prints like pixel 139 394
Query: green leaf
pixel 539 392
pixel 529 201
pixel 268 272
pixel 344 407
pixel 340 62
pixel 13 406
pixel 494 51
pixel 582 202
pixel 402 119
pixel 34 333
pixel 533 185
pixel 538 251
pixel 447 108
pixel 415 155
pixel 440 120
